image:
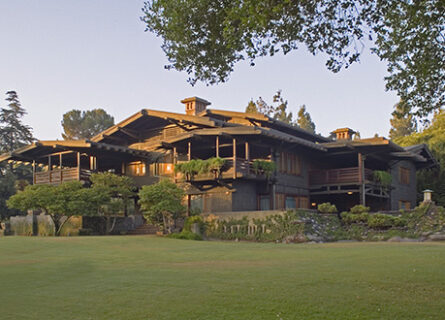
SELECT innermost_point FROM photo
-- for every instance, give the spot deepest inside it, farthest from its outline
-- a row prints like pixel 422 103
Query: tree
pixel 13 134
pixel 281 109
pixel 402 122
pixel 207 38
pixel 65 200
pixel 434 137
pixel 304 120
pixel 85 124
pixel 162 203
pixel 251 107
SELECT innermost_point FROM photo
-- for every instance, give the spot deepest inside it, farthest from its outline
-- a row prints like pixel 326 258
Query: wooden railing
pixel 57 176
pixel 337 176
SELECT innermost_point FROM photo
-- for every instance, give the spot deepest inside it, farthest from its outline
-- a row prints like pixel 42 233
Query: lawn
pixel 144 277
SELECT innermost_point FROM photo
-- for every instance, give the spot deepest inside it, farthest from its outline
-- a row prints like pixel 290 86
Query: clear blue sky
pixel 84 54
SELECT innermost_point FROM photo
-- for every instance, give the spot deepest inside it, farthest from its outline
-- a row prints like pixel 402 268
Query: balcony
pixel 338 176
pixel 58 176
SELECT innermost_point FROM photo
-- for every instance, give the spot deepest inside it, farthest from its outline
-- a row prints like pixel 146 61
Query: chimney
pixel 194 105
pixel 343 133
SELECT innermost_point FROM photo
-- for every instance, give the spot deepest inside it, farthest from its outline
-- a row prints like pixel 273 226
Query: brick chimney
pixel 194 105
pixel 343 133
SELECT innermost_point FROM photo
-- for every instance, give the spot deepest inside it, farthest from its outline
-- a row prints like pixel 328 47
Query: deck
pixel 338 176
pixel 58 176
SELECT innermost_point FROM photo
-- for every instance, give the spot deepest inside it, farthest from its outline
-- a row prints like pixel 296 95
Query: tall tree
pixel 85 124
pixel 277 110
pixel 402 121
pixel 207 38
pixel 281 109
pixel 434 137
pixel 304 120
pixel 13 134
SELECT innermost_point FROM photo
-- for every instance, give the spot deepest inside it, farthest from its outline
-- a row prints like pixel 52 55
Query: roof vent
pixel 344 133
pixel 194 105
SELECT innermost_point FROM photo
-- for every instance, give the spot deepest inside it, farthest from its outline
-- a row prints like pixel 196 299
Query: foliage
pixel 13 135
pixel 402 122
pixel 206 39
pixel 265 167
pixel 251 107
pixel 304 120
pixel 351 218
pixel 434 136
pixel 162 203
pixel 198 166
pixel 383 177
pixel 85 124
pixel 276 111
pixel 359 209
pixel 327 207
pixel 192 220
pixel 67 199
pixel 185 235
pixel 384 221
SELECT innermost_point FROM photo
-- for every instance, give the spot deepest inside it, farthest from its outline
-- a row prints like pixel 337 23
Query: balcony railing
pixel 58 176
pixel 338 176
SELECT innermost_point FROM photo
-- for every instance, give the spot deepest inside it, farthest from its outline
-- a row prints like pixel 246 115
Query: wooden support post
pixel 217 146
pixel 361 178
pixel 234 158
pixel 247 151
pixel 50 168
pixel 189 153
pixel 189 205
pixel 175 160
pixel 60 165
pixel 78 166
pixel 33 172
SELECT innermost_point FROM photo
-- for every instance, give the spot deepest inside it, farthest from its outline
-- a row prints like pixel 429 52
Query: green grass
pixel 157 278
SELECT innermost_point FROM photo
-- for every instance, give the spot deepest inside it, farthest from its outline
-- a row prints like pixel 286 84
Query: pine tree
pixel 85 124
pixel 304 120
pixel 402 121
pixel 281 110
pixel 13 133
pixel 251 107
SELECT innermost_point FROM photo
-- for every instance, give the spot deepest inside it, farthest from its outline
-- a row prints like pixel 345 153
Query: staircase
pixel 144 229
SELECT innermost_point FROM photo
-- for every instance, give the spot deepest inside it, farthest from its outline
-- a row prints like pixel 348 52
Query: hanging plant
pixel 264 167
pixel 382 177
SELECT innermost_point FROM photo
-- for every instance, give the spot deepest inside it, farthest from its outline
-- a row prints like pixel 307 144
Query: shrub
pixel 381 221
pixel 185 235
pixel 194 219
pixel 359 209
pixel 327 207
pixel 350 218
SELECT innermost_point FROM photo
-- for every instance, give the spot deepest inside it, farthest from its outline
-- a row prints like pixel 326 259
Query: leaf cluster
pixel 85 124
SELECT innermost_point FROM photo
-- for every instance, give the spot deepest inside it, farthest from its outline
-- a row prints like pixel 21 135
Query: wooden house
pixel 309 169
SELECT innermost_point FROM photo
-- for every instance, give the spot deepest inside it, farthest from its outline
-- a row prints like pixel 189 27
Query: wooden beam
pixel 130 134
pixel 78 165
pixel 189 152
pixel 361 178
pixel 33 172
pixel 217 146
pixel 60 164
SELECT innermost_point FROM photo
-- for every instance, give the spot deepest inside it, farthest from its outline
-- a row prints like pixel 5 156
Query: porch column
pixel 175 160
pixel 189 153
pixel 78 166
pixel 247 154
pixel 234 158
pixel 60 164
pixel 50 168
pixel 217 146
pixel 33 172
pixel 361 178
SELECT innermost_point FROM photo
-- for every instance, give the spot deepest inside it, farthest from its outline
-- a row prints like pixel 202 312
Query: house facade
pixel 308 169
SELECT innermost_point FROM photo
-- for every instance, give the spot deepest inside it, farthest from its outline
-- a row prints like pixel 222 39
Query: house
pixel 309 169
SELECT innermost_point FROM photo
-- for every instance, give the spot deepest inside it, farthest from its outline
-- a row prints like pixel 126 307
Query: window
pixel 403 204
pixel 264 202
pixel 291 203
pixel 136 169
pixel 289 163
pixel 404 175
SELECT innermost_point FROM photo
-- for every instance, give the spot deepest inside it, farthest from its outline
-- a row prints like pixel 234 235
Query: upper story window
pixel 404 174
pixel 289 163
pixel 136 169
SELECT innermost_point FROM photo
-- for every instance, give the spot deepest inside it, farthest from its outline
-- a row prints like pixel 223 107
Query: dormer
pixel 195 105
pixel 343 133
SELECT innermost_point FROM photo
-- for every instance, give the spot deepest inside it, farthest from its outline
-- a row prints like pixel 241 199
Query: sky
pixel 86 54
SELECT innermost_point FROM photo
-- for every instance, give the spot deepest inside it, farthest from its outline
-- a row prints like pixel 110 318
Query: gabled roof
pixel 40 149
pixel 242 131
pixel 273 123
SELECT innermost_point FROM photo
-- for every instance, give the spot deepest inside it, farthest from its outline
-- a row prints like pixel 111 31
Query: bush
pixel 327 207
pixel 359 209
pixel 381 221
pixel 194 219
pixel 350 218
pixel 185 235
